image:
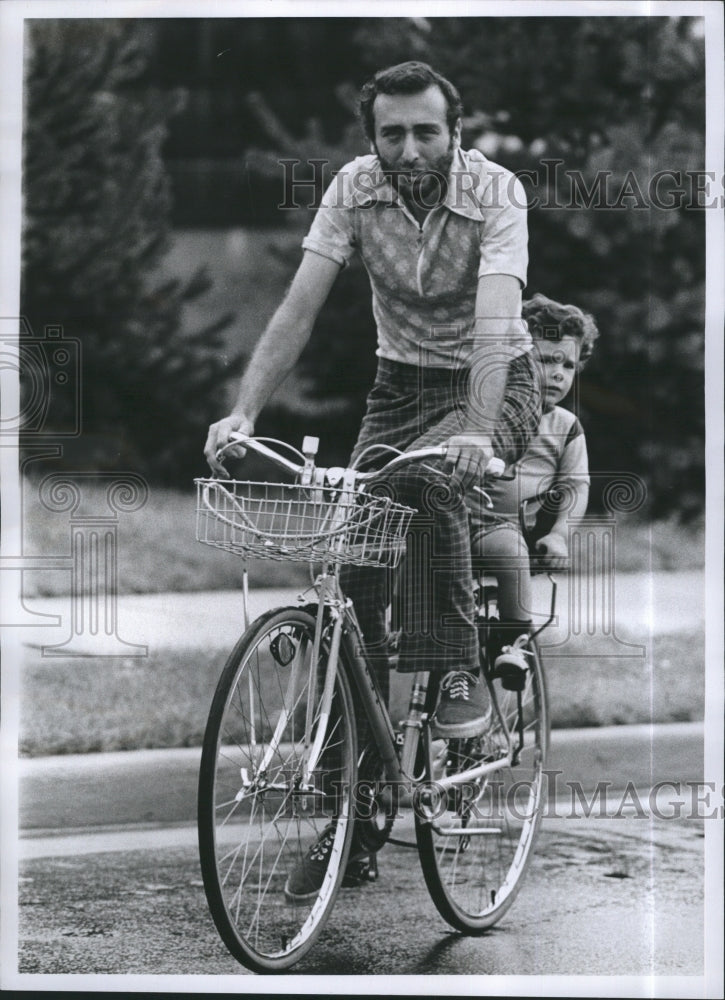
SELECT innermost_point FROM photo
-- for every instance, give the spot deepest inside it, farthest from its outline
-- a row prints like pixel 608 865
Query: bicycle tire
pixel 256 825
pixel 473 879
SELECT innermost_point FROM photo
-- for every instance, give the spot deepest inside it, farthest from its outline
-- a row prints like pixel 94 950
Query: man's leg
pixel 435 601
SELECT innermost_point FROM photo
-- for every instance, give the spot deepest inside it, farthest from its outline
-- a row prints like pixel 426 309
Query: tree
pixel 615 102
pixel 615 99
pixel 97 201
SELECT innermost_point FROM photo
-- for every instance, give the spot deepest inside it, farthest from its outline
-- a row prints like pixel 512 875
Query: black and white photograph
pixel 361 453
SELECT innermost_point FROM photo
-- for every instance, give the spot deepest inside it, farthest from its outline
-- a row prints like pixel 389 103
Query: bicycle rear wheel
pixel 475 841
pixel 257 819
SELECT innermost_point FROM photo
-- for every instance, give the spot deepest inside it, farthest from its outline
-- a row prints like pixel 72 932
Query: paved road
pixel 602 897
pixel 159 786
pixel 633 604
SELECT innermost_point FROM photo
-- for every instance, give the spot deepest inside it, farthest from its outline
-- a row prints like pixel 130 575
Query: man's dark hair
pixel 407 78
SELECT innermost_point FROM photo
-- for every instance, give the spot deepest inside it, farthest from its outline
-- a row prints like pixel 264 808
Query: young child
pixel 557 457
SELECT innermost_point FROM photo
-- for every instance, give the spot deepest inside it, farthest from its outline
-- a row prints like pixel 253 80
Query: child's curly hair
pixel 549 320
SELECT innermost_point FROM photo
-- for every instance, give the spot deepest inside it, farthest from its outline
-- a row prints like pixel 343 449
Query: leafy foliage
pixel 619 98
pixel 571 104
pixel 97 202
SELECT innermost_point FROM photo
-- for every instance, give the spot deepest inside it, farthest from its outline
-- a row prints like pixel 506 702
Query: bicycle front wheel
pixel 260 812
pixel 475 840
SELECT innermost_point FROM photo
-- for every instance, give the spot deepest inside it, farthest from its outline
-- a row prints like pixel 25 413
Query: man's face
pixel 414 144
pixel 556 362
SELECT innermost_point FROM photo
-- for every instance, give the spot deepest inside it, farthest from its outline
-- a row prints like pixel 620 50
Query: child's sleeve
pixel 573 472
pixel 574 461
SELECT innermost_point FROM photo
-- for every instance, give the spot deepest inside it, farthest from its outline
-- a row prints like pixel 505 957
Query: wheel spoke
pixel 474 878
pixel 256 819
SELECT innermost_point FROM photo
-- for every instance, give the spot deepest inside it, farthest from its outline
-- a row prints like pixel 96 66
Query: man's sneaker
pixel 306 878
pixel 464 708
pixel 511 665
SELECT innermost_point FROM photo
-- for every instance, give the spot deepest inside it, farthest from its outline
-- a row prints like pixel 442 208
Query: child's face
pixel 556 361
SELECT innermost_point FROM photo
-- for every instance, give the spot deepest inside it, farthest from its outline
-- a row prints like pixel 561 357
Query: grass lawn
pixel 158 551
pixel 85 705
pixel 88 705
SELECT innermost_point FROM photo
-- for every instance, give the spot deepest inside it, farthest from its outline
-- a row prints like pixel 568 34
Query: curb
pixel 128 788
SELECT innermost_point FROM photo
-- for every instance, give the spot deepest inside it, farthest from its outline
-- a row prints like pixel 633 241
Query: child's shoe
pixel 511 665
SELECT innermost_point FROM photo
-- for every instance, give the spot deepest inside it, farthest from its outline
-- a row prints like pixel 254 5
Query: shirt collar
pixel 466 184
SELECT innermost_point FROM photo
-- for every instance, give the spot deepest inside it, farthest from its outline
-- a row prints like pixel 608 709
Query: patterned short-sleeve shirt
pixel 424 278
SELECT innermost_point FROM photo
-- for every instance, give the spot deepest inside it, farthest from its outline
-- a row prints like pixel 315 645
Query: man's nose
pixel 410 149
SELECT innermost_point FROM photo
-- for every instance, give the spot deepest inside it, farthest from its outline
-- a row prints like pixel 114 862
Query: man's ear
pixel 456 136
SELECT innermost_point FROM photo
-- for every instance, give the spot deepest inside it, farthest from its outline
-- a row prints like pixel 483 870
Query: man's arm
pixel 276 352
pixel 498 304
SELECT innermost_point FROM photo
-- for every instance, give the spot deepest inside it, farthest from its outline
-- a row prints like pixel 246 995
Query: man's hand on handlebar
pixel 218 437
pixel 467 457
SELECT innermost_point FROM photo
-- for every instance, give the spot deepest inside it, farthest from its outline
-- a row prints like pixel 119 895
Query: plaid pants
pixel 432 600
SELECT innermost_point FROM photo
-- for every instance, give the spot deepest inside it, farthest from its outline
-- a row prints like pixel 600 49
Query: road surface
pixel 603 897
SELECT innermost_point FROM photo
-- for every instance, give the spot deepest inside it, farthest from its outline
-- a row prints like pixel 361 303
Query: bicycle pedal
pixel 358 872
pixel 512 677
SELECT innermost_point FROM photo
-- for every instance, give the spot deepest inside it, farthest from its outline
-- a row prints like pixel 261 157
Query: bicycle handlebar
pixel 495 467
pixel 262 449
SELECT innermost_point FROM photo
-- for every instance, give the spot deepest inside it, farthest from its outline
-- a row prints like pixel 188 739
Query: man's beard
pixel 430 187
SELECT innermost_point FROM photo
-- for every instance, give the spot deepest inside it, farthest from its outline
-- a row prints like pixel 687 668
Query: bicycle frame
pixel 399 768
pixel 332 604
pixel 298 717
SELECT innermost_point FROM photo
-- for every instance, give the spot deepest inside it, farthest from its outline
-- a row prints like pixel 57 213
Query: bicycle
pixel 288 752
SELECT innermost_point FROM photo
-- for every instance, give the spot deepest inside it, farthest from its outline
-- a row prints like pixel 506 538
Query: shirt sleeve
pixel 504 244
pixel 574 461
pixel 332 231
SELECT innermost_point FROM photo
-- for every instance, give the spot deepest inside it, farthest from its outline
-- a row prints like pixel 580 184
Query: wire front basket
pixel 300 523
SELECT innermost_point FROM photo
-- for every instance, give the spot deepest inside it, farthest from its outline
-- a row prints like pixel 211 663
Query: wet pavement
pixel 603 897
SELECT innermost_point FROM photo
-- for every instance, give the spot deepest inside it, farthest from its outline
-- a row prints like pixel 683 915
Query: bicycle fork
pixel 303 676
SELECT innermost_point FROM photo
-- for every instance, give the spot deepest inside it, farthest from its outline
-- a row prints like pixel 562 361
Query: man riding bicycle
pixel 442 233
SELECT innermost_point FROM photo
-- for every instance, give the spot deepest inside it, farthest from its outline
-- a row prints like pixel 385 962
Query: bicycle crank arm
pixel 465 831
pixel 462 777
